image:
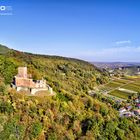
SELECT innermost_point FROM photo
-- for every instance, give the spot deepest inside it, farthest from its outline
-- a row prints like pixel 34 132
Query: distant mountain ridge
pixel 115 64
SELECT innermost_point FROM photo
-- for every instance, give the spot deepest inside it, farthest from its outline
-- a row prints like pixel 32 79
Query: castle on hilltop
pixel 23 81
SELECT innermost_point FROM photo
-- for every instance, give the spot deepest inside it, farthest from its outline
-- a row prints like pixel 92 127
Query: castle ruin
pixel 23 81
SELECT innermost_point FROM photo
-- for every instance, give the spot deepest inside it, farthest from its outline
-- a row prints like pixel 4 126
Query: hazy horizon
pixel 74 57
pixel 103 31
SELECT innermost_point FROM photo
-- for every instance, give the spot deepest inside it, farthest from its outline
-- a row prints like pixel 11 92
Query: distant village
pixel 122 71
pixel 131 110
pixel 23 81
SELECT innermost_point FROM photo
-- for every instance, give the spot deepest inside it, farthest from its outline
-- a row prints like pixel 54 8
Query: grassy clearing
pixel 120 94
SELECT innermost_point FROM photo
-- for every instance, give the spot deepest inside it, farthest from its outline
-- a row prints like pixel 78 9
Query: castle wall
pixel 24 82
pixel 40 84
pixel 34 90
pixel 22 88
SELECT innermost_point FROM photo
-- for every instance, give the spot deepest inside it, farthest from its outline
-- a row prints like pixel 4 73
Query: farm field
pixel 136 83
pixel 132 78
pixel 132 87
pixel 120 94
pixel 128 83
pixel 121 81
pixel 113 84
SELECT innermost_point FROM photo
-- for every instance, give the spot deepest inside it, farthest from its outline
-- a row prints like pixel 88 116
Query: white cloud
pixel 123 42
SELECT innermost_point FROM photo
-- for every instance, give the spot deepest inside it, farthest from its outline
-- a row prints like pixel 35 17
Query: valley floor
pixel 126 90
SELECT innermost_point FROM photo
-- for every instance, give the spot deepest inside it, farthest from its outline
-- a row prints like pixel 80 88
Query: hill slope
pixel 60 73
pixel 71 114
pixel 4 49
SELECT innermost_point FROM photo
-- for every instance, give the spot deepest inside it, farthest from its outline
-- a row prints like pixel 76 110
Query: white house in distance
pixel 22 81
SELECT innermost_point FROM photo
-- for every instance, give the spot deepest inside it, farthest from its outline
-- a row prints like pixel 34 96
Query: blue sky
pixel 93 30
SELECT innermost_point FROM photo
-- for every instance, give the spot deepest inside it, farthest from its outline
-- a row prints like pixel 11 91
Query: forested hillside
pixel 4 49
pixel 70 114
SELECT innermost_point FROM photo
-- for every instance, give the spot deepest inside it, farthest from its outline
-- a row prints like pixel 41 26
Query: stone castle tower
pixel 22 72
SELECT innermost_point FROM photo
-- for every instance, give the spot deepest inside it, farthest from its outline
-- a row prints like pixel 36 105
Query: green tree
pixel 36 129
pixel 3 89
